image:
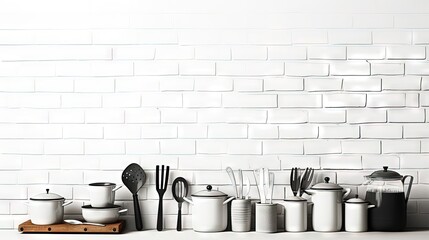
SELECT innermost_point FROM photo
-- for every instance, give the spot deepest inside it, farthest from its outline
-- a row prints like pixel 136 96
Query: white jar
pixel 295 214
pixel 102 194
pixel 357 215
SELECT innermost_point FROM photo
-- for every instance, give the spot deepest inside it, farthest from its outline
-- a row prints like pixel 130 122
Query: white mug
pixel 102 194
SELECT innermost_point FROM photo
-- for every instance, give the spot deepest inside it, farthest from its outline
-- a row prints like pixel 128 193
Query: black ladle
pixel 133 178
pixel 180 190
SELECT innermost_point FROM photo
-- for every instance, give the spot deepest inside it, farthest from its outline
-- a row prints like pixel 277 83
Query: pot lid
pixel 108 207
pixel 356 200
pixel 327 185
pixel 102 184
pixel 295 199
pixel 385 175
pixel 47 196
pixel 209 193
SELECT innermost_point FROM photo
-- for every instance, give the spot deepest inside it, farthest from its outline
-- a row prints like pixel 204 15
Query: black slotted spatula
pixel 133 178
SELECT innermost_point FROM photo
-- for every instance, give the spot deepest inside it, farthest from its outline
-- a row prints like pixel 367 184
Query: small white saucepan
pixel 47 208
pixel 102 215
pixel 102 194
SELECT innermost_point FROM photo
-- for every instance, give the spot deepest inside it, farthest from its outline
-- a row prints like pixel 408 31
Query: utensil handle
pixel 159 223
pixel 179 220
pixel 137 214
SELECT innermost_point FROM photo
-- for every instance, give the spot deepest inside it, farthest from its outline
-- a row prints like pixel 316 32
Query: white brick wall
pixel 340 86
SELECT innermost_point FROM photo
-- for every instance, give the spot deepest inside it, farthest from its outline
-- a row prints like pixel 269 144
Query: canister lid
pixel 47 196
pixel 295 199
pixel 209 193
pixel 385 175
pixel 327 185
pixel 356 200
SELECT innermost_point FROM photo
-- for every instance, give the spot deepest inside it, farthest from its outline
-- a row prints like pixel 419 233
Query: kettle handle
pixel 409 186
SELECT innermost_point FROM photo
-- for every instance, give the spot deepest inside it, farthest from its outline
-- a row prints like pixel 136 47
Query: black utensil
pixel 180 190
pixel 161 186
pixel 306 180
pixel 294 181
pixel 133 178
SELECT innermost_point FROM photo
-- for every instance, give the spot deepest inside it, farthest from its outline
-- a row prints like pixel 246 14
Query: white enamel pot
pixel 356 216
pixel 102 215
pixel 209 210
pixel 102 194
pixel 328 206
pixel 47 208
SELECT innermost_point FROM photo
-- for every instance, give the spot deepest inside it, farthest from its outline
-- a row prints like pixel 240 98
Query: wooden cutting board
pixel 28 227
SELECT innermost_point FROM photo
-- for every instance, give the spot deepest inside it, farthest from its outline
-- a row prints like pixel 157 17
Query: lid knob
pixel 385 168
pixel 47 191
pixel 209 187
pixel 326 179
pixel 356 196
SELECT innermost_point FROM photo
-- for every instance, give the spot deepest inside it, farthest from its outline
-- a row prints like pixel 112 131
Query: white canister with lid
pixel 295 214
pixel 357 215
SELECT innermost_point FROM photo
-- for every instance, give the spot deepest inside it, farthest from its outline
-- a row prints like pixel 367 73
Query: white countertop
pixel 189 234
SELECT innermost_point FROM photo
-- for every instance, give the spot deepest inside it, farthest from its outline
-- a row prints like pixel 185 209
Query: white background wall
pixel 89 86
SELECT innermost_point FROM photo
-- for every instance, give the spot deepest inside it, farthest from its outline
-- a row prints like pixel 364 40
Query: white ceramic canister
pixel 102 194
pixel 295 214
pixel 266 217
pixel 356 212
pixel 209 210
pixel 241 215
pixel 327 213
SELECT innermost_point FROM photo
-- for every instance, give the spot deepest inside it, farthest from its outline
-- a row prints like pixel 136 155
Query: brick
pixel 248 85
pixel 366 52
pixel 392 37
pixel 161 100
pixel 341 162
pixel 104 116
pixel 373 21
pixel 94 68
pixel 366 116
pixel 40 162
pixel 249 68
pixel 198 68
pixel 27 100
pixel 54 84
pixel 387 68
pixel 137 84
pixel 121 100
pixel 297 131
pixel 36 53
pixel 227 131
pixel 249 53
pixel 344 100
pixel 201 100
pixel 424 145
pixel 209 36
pixel 21 146
pixel 174 52
pixel 411 21
pixel 94 85
pixel 361 84
pixel 378 161
pixel 81 101
pixel 77 162
pixel 142 147
pixel 381 131
pixel 323 84
pixel 424 82
pixel 350 68
pixel 61 36
pixel 416 131
pixel 155 68
pixel 178 116
pixel 406 115
pixel 104 147
pixel 300 100
pixel 211 146
pixel 420 37
pixel 339 131
pixel 386 100
pixel 263 131
pixel 400 146
pixel 350 37
pixel 327 116
pixel 401 83
pixel 361 146
pixel 416 68
pixel 248 100
pixel 283 84
pixel 66 177
pixel 424 99
pixel 287 53
pixel 30 131
pixel 245 116
pixel 322 147
pixel 282 147
pixel 243 147
pixel 63 147
pixel 192 131
pixel 412 100
pixel 417 161
pixel 405 52
pixel 214 84
pixel 158 131
pixel 287 116
pixel 178 146
pixel 21 84
pixel 142 116
pixel 289 162
pixel 336 53
pixel 24 116
pixel 200 163
pixel 122 132
pixel 13 192
pixel 212 53
pixel 134 53
pixel 307 69
pixel 269 37
pixel 310 36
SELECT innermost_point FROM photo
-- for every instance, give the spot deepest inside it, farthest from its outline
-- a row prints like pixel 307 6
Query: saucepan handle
pixel 409 186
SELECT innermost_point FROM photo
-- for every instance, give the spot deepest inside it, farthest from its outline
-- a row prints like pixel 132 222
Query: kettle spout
pixel 309 191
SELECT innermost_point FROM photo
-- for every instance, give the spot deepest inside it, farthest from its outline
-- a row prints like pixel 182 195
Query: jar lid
pixel 385 175
pixel 102 184
pixel 47 196
pixel 356 200
pixel 327 185
pixel 295 199
pixel 209 193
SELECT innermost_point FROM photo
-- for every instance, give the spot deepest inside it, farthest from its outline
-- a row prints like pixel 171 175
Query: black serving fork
pixel 294 181
pixel 161 187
